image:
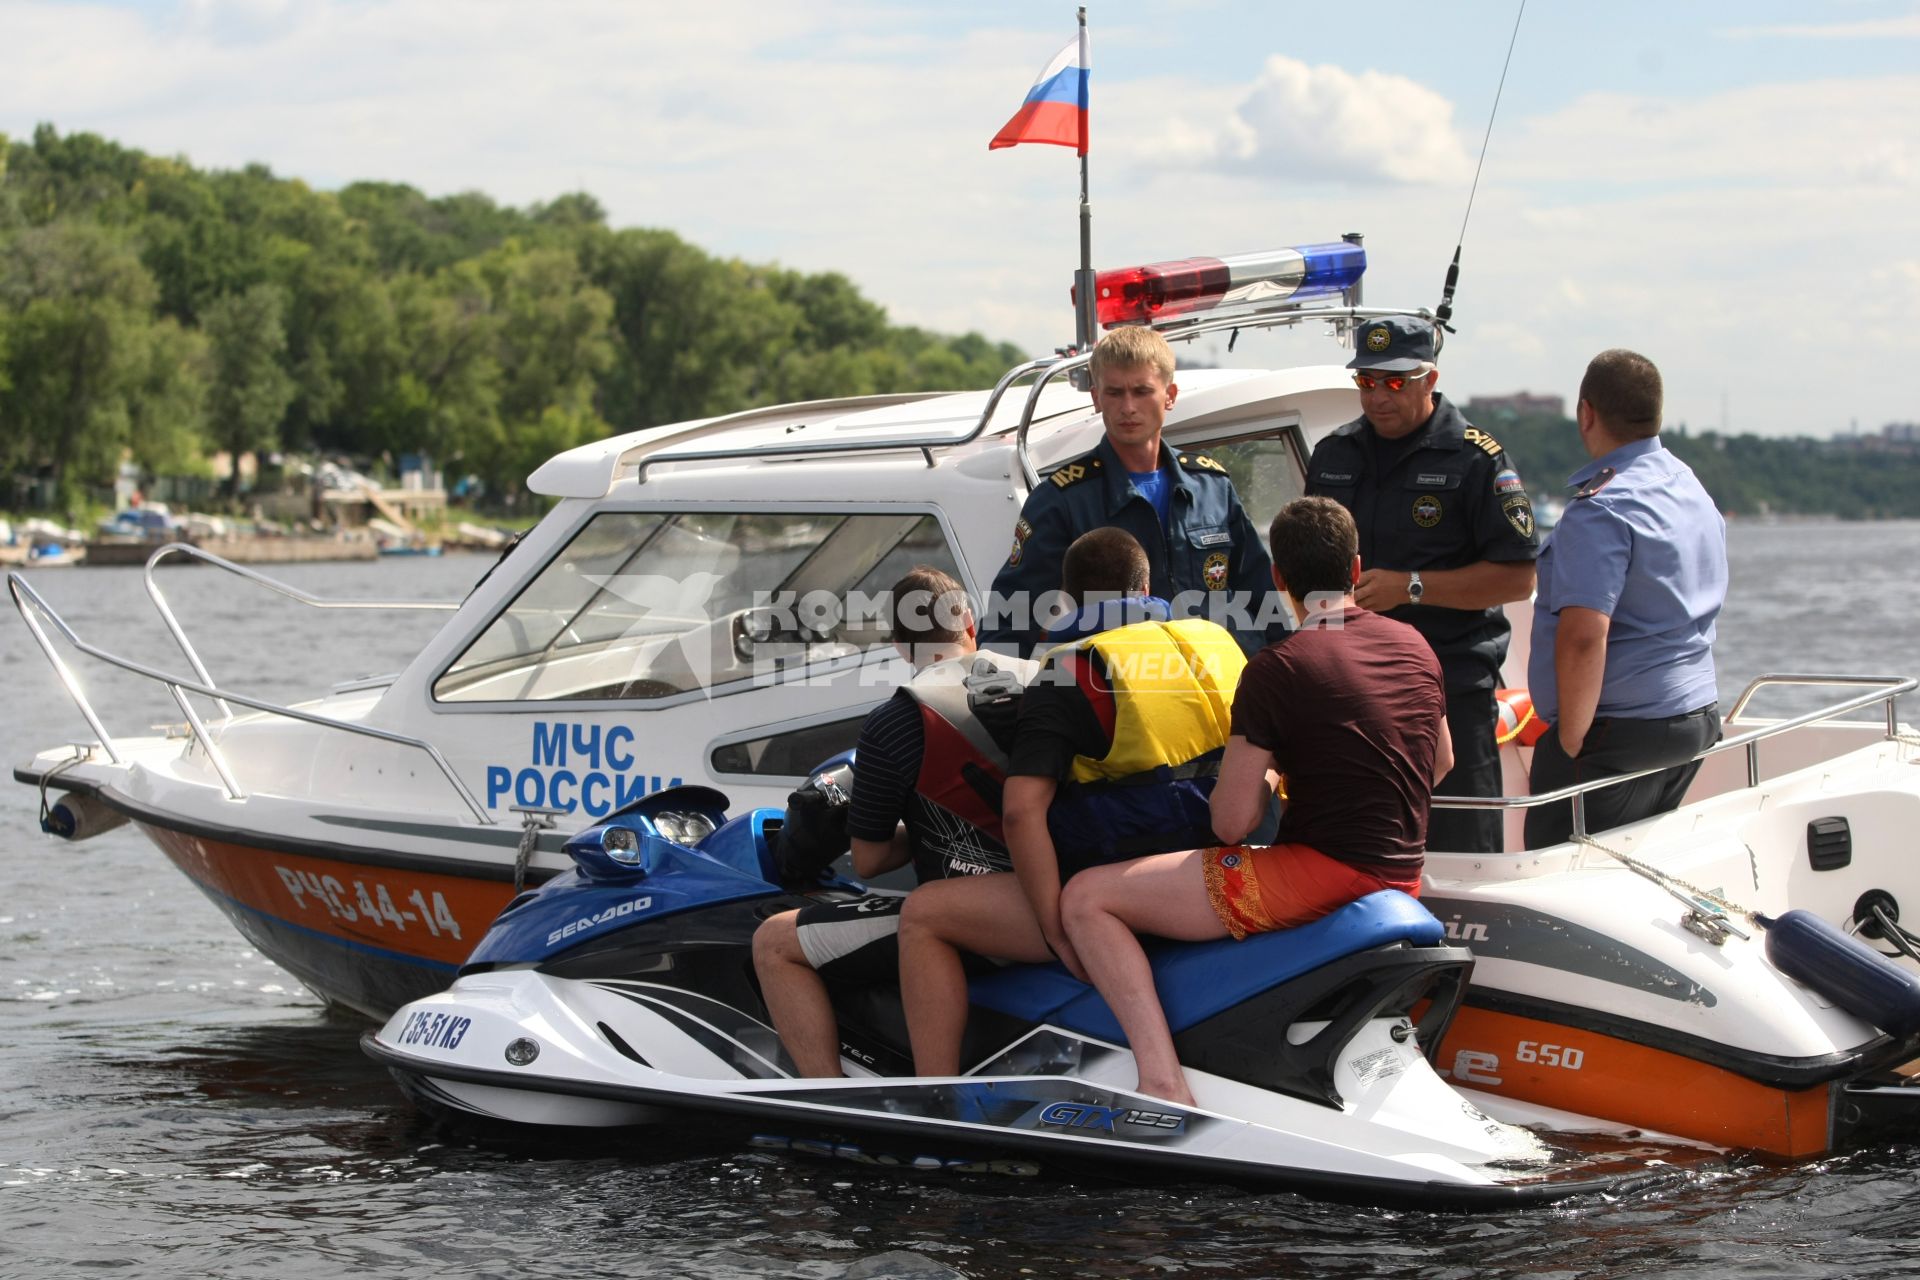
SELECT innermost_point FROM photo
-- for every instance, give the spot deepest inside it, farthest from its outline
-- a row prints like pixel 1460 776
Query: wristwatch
pixel 1414 588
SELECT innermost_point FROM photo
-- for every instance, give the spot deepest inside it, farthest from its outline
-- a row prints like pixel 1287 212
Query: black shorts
pixel 856 941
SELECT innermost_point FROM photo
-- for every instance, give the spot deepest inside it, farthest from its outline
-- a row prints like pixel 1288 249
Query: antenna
pixel 1085 329
pixel 1445 312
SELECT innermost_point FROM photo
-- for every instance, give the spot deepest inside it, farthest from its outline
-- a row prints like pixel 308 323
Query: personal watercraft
pixel 364 837
pixel 622 993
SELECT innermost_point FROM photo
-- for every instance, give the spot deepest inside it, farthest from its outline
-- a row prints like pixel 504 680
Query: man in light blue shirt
pixel 1630 583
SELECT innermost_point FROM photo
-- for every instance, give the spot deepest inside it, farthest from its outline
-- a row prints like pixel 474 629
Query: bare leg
pixel 796 997
pixel 1101 909
pixel 987 915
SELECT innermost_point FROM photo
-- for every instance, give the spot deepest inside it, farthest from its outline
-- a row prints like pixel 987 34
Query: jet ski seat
pixel 1230 1003
pixel 1197 980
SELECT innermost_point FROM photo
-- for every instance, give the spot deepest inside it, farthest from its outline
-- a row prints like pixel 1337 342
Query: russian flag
pixel 1056 107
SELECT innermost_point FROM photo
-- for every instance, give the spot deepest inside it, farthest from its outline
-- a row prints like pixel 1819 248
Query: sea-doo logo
pixel 1085 1115
pixel 585 923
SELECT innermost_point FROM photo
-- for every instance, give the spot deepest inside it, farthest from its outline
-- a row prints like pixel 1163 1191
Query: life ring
pixel 1517 722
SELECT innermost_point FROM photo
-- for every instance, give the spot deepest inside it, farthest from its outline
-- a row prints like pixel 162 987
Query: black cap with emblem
pixel 1396 344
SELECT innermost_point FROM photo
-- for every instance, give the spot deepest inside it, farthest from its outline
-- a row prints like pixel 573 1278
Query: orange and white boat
pixel 654 629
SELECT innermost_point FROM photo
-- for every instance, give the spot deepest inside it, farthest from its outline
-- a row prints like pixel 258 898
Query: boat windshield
pixel 649 605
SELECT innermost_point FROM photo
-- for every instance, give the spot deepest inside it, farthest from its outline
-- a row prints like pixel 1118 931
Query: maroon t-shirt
pixel 1351 712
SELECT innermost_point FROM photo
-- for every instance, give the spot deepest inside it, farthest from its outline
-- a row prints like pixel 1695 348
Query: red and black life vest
pixel 966 717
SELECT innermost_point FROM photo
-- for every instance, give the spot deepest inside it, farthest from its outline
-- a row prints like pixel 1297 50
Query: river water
pixel 178 1106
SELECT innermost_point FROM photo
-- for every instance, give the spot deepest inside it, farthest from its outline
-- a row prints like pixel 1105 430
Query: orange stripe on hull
pixel 431 917
pixel 1554 1065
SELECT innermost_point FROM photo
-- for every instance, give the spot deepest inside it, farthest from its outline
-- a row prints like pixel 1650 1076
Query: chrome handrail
pixel 804 448
pixel 272 584
pixel 28 603
pixel 1186 330
pixel 1282 315
pixel 1887 690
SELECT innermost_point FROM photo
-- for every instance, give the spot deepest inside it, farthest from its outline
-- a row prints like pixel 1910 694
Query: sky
pixel 1731 188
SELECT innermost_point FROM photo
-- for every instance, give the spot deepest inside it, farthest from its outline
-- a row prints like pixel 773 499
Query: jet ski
pixel 622 992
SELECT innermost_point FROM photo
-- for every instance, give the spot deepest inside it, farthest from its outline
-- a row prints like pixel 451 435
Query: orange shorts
pixel 1256 889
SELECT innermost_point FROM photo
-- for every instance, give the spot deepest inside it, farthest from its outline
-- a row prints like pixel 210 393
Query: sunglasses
pixel 1391 381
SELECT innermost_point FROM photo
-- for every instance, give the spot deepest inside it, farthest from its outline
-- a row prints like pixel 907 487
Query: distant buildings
pixel 1898 439
pixel 1520 404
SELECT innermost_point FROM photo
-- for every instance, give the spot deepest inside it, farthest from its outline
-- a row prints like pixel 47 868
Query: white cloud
pixel 1862 131
pixel 1323 123
pixel 1907 28
pixel 1753 240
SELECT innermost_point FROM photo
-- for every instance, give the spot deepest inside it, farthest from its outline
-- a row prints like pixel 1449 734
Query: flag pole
pixel 1085 326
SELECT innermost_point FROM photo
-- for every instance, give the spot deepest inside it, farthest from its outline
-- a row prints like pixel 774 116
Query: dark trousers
pixel 1476 772
pixel 1615 746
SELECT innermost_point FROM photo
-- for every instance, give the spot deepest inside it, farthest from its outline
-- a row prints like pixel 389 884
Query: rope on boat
pixel 533 822
pixel 80 755
pixel 1905 942
pixel 1709 914
pixel 1844 970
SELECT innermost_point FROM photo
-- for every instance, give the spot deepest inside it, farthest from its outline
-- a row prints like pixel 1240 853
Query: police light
pixel 1166 290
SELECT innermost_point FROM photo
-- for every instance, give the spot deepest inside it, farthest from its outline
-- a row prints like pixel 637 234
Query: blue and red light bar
pixel 1167 290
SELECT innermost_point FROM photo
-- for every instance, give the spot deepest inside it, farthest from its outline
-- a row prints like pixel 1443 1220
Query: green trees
pixel 1747 475
pixel 78 313
pixel 151 307
pixel 250 387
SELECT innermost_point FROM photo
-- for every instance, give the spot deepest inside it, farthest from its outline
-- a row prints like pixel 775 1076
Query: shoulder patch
pixel 1475 436
pixel 1596 484
pixel 1203 462
pixel 1073 473
pixel 1519 513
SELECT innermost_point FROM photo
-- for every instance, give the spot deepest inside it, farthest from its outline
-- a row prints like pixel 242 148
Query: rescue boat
pixel 700 607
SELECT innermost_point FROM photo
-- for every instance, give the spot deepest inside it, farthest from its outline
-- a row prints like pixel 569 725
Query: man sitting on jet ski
pixel 1118 741
pixel 1351 710
pixel 926 790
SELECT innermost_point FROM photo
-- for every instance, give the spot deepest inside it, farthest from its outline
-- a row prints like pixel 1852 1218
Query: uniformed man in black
pixel 1203 553
pixel 1446 538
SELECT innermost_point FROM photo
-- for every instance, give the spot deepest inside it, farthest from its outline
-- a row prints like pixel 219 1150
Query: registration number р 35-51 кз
pixel 431 1030
pixel 375 906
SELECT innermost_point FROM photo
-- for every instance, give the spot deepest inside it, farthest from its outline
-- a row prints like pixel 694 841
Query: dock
pixel 246 550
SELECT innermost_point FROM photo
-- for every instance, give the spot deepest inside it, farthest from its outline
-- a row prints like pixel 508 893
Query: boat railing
pixel 1282 315
pixel 645 455
pixel 1043 370
pixel 38 614
pixel 188 550
pixel 1879 690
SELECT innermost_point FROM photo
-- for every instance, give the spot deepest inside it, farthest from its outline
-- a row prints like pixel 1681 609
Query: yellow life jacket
pixel 1173 686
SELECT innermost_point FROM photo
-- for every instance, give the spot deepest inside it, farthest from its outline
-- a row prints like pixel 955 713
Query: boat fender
pixel 77 817
pixel 1845 970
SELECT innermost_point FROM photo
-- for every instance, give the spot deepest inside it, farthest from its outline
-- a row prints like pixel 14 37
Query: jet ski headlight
pixel 683 828
pixel 622 845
